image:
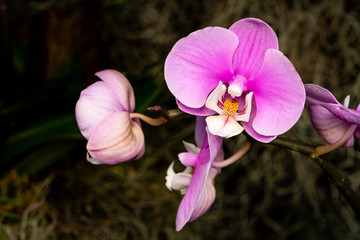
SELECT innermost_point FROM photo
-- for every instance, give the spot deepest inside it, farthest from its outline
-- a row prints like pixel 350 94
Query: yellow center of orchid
pixel 231 106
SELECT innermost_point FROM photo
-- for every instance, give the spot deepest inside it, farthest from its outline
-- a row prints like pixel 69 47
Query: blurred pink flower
pixel 103 116
pixel 246 60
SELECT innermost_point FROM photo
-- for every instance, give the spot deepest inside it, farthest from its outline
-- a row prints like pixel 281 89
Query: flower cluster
pixel 232 80
pixel 229 76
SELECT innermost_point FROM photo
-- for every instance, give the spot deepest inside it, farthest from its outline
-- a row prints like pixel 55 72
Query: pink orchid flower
pixel 239 74
pixel 103 116
pixel 335 123
pixel 197 180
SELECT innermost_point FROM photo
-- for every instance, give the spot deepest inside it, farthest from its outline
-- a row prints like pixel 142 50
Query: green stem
pixel 333 173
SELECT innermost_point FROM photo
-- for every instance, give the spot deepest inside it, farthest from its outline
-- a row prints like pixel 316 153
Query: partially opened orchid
pixel 239 74
pixel 336 123
pixel 197 180
pixel 103 114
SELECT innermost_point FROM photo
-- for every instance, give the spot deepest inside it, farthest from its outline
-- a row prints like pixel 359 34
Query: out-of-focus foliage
pixel 50 52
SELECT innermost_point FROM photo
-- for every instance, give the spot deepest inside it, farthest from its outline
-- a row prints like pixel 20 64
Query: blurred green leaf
pixel 10 215
pixel 45 156
pixel 145 93
pixel 48 130
pixel 15 202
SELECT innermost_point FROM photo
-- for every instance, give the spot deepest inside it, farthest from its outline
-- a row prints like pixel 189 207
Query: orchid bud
pixel 103 116
pixel 335 123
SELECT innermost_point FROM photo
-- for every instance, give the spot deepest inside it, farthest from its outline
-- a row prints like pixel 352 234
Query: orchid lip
pixel 231 111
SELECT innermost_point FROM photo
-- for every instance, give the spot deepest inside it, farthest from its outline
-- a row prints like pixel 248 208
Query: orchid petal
pixel 170 173
pixel 347 101
pixel 357 132
pixel 255 38
pixel 188 159
pixel 332 120
pixel 198 62
pixel 207 196
pixel 181 181
pixel 191 148
pixel 224 126
pixel 95 103
pixel 196 187
pixel 92 160
pixel 328 126
pixel 177 181
pixel 215 97
pixel 120 86
pixel 279 95
pixel 346 114
pixel 250 130
pixel 116 139
pixel 203 111
pixel 318 95
pixel 200 131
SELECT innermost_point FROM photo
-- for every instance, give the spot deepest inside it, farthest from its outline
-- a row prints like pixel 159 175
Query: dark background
pixel 50 51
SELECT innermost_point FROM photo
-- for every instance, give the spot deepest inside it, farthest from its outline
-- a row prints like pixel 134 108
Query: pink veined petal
pixel 203 111
pixel 317 95
pixel 328 126
pixel 250 130
pixel 215 98
pixel 357 132
pixel 245 114
pixel 255 38
pixel 196 187
pixel 279 95
pixel 95 103
pixel 188 159
pixel 346 114
pixel 120 86
pixel 207 196
pixel 116 139
pixel 223 125
pixel 197 63
pixel 200 131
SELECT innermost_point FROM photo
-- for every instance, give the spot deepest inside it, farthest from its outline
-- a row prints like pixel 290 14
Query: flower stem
pixel 241 152
pixel 333 173
pixel 167 114
pixel 152 121
pixel 320 150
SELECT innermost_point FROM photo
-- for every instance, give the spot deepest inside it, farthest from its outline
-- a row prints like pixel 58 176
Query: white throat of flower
pixel 226 123
pixel 181 181
pixel 178 181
